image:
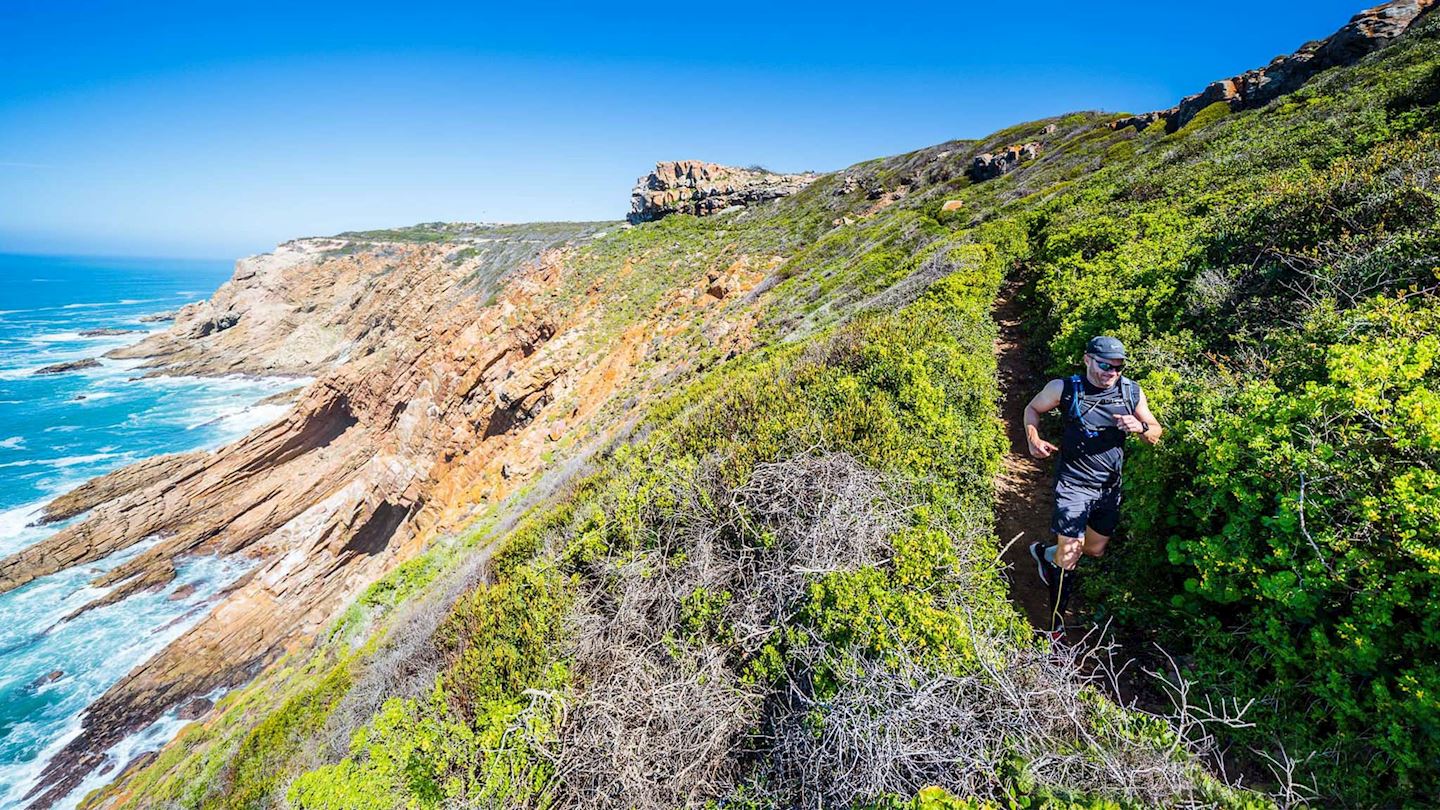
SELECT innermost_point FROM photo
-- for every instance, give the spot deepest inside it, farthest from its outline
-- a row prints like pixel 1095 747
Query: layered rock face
pixel 269 318
pixel 693 187
pixel 1367 31
pixel 442 372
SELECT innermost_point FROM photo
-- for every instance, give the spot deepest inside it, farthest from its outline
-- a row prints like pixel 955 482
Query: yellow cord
pixel 1059 592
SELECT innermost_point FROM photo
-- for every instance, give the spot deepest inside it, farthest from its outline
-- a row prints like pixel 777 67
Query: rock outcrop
pixel 69 365
pixel 107 331
pixel 993 164
pixel 694 187
pixel 1367 31
pixel 267 319
pixel 127 479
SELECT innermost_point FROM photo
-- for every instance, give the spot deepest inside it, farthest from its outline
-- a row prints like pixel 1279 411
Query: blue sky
pixel 201 129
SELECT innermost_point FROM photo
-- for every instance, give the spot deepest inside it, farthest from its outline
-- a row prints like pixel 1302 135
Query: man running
pixel 1100 409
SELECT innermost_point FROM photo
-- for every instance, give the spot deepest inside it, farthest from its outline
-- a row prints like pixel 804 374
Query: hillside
pixel 702 511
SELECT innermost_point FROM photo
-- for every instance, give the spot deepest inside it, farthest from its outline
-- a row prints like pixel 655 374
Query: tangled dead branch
pixel 895 727
pixel 661 717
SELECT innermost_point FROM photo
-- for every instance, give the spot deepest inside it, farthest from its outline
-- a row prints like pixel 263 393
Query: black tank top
pixel 1092 448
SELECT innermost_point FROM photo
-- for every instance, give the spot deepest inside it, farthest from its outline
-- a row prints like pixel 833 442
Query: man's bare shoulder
pixel 1049 396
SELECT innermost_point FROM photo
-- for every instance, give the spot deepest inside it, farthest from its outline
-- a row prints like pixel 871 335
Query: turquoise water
pixel 57 431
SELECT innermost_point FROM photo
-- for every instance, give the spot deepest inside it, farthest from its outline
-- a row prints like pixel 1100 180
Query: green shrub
pixel 1276 277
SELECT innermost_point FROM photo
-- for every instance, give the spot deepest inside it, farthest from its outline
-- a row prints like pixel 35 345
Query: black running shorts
pixel 1079 506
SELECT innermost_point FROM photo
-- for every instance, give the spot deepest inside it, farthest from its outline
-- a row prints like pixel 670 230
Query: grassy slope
pixel 1192 246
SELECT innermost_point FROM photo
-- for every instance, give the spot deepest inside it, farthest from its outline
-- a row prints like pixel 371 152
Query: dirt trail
pixel 1024 496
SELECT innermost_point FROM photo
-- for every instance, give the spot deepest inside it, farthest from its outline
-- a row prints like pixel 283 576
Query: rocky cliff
pixel 1366 32
pixel 695 187
pixel 444 371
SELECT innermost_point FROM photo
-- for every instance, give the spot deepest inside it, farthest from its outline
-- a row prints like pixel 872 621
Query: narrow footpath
pixel 1025 498
pixel 1024 491
pixel 1024 501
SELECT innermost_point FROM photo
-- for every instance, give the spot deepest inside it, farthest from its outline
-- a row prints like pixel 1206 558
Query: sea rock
pixel 702 189
pixel 69 365
pixel 48 678
pixel 990 165
pixel 157 317
pixel 107 331
pixel 195 708
pixel 183 592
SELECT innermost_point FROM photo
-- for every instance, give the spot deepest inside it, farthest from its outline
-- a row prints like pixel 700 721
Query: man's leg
pixel 1064 578
pixel 1095 542
pixel 1101 520
pixel 1072 513
pixel 1068 550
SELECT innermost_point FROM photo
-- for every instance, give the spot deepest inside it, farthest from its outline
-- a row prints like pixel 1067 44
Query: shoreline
pixel 224 406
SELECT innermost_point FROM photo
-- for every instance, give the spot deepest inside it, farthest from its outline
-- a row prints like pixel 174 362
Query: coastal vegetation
pixel 781 586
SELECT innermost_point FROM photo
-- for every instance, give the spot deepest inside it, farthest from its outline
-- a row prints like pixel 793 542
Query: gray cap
pixel 1105 347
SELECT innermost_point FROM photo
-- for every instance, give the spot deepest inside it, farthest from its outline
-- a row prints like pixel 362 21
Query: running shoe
pixel 1042 565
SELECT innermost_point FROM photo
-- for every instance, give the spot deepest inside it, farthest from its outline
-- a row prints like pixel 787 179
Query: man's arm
pixel 1143 423
pixel 1047 400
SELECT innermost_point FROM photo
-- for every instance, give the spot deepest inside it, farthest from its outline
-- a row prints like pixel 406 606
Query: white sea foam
pixel 122 364
pixel 12 443
pixel 239 421
pixel 97 648
pixel 14 520
pixel 17 779
pixel 54 337
pixel 65 461
pixel 100 646
pixel 151 738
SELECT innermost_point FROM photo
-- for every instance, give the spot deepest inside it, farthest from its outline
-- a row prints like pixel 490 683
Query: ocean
pixel 57 431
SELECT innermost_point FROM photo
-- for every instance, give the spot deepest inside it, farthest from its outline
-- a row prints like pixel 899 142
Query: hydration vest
pixel 1075 404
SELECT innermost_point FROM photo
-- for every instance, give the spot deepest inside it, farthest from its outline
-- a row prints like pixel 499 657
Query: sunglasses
pixel 1104 366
